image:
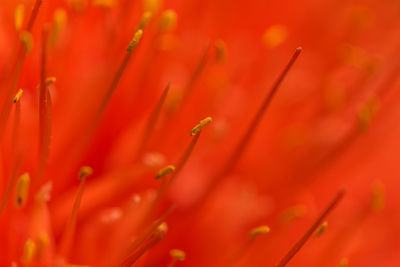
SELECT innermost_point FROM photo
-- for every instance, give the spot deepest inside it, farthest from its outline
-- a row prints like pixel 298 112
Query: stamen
pixel 27 41
pixel 321 229
pixel 43 242
pixel 28 252
pixel 69 231
pixel 85 171
pixel 19 17
pixel 200 126
pixel 34 14
pixel 378 197
pixel 261 230
pixel 367 113
pixel 343 263
pixel 221 51
pixel 311 230
pixel 145 19
pixel 18 95
pixel 274 36
pixel 135 40
pixel 152 5
pixel 167 170
pixel 152 122
pixel 59 21
pixel 168 20
pixel 177 254
pixel 150 230
pixel 157 236
pixel 45 106
pixel 22 190
pixel 240 148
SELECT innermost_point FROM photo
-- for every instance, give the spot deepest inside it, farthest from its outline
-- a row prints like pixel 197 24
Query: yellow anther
pixel 200 126
pixel 135 40
pixel 28 252
pixel 27 40
pixel 378 197
pixel 21 190
pixel 164 171
pixel 59 21
pixel 78 5
pixel 261 230
pixel 168 20
pixel 343 263
pixel 50 80
pixel 177 254
pixel 104 3
pixel 367 113
pixel 293 213
pixel 18 95
pixel 85 171
pixel 321 229
pixel 146 17
pixel 19 17
pixel 43 242
pixel 152 5
pixel 221 51
pixel 274 36
pixel 161 230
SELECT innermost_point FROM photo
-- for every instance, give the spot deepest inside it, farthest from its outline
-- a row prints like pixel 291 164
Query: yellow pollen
pixel 104 3
pixel 167 170
pixel 221 51
pixel 78 5
pixel 367 113
pixel 274 36
pixel 343 263
pixel 59 21
pixel 19 17
pixel 146 17
pixel 21 190
pixel 293 213
pixel 18 95
pixel 378 197
pixel 161 230
pixel 261 230
pixel 50 80
pixel 321 229
pixel 177 254
pixel 152 5
pixel 85 171
pixel 135 40
pixel 200 126
pixel 27 40
pixel 168 20
pixel 28 252
pixel 43 242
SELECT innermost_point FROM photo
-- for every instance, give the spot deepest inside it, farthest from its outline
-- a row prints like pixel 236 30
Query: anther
pixel 168 20
pixel 164 171
pixel 177 254
pixel 274 36
pixel 27 40
pixel 378 197
pixel 85 171
pixel 19 17
pixel 28 252
pixel 135 40
pixel 220 50
pixel 200 126
pixel 18 95
pixel 146 17
pixel 261 230
pixel 321 229
pixel 22 190
pixel 344 262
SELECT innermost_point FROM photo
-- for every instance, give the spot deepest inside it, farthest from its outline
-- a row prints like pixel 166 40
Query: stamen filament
pixel 311 230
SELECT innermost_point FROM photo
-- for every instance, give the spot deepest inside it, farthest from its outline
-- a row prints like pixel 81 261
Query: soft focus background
pixel 332 124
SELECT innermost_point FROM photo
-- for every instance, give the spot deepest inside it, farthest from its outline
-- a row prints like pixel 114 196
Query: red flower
pixel 212 139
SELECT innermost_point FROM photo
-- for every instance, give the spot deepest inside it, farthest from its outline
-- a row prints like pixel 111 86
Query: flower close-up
pixel 199 133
